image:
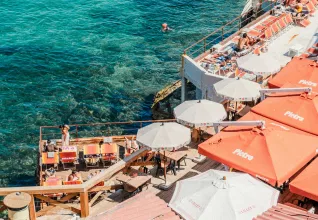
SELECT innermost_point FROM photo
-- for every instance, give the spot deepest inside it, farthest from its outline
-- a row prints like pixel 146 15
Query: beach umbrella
pixel 199 113
pixel 298 111
pixel 299 72
pixel 272 154
pixel 262 64
pixel 305 184
pixel 237 89
pixel 163 136
pixel 220 195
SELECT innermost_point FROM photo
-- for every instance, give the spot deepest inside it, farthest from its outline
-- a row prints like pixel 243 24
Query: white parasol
pixel 199 113
pixel 222 195
pixel 237 89
pixel 262 64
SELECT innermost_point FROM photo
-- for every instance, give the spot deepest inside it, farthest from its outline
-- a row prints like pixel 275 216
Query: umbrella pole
pixel 164 165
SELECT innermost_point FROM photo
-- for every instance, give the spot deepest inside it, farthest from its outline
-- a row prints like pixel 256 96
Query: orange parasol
pixel 273 154
pixel 298 111
pixel 300 72
pixel 305 183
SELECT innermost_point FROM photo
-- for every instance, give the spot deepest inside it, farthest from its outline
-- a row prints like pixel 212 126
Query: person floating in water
pixel 165 27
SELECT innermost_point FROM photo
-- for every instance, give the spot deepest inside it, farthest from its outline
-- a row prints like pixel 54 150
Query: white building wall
pixel 201 79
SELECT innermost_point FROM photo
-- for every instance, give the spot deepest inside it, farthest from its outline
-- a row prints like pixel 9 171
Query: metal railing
pixel 97 129
pixel 222 33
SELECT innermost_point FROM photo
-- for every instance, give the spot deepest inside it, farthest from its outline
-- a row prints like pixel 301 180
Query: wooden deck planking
pixel 167 195
pixel 207 165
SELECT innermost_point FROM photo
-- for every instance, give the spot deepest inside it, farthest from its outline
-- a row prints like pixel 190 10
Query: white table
pixel 295 49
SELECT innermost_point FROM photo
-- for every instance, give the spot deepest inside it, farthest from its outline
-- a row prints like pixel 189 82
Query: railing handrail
pixel 111 123
pixel 222 28
pixel 79 188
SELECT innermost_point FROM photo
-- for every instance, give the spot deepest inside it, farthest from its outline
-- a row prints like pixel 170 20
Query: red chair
pixel 305 22
pixel 282 24
pixel 289 19
pixel 109 152
pixel 92 155
pixel 75 182
pixel 275 28
pixel 69 159
pixel 314 2
pixel 311 7
pixel 53 181
pixel 268 34
pixel 46 159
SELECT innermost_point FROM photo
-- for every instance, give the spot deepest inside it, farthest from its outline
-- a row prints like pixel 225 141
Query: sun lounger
pixel 68 159
pixel 92 155
pixel 304 22
pixel 254 33
pixel 311 8
pixel 109 153
pixel 314 2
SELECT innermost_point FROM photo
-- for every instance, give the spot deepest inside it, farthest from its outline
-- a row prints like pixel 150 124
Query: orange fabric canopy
pixel 299 111
pixel 306 183
pixel 300 72
pixel 273 154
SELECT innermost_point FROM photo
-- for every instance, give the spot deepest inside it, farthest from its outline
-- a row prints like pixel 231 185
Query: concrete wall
pixel 201 79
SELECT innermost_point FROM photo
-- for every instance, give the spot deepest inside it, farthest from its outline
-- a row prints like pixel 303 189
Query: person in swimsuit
pixel 243 43
pixel 165 27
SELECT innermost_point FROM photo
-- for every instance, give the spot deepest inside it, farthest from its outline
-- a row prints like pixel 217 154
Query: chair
pixel 305 22
pixel 312 51
pixel 275 28
pixel 311 8
pixel 288 19
pixel 314 2
pixel 74 182
pixel 68 158
pixel 53 181
pixel 109 152
pixel 268 34
pixel 161 165
pixel 254 33
pixel 259 28
pixel 282 24
pixel 92 155
pixel 46 159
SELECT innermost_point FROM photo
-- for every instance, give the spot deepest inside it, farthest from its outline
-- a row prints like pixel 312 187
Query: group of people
pixel 296 7
pixel 245 42
pixel 50 146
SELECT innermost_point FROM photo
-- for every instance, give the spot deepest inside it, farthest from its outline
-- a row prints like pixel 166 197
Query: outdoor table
pixel 134 182
pixel 176 156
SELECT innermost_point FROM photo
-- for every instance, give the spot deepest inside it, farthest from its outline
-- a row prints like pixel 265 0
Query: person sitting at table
pixel 74 176
pixel 49 173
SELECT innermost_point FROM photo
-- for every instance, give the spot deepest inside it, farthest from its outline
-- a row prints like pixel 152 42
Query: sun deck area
pixel 277 36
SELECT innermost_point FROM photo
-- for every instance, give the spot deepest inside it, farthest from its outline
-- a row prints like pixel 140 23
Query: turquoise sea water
pixel 88 61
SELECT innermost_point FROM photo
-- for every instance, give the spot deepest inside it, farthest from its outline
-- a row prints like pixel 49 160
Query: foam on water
pixel 88 61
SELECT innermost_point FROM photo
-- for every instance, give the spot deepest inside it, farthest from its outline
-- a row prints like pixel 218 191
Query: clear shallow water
pixel 88 61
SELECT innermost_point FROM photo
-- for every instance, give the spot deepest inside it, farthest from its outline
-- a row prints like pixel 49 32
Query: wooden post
pixel 84 204
pixel 32 211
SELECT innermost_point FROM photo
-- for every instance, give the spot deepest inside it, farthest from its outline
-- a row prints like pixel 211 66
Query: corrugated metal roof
pixel 144 206
pixel 284 212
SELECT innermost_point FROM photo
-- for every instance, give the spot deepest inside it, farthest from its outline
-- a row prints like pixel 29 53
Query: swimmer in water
pixel 165 27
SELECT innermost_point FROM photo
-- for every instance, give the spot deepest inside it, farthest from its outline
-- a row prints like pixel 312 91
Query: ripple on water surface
pixel 88 61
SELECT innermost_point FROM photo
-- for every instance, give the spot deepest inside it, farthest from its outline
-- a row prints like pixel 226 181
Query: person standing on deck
pixel 65 135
